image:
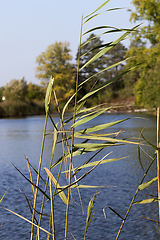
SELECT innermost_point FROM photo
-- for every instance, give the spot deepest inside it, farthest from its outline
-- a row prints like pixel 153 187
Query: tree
pixel 116 54
pixel 56 62
pixel 87 51
pixel 15 90
pixel 148 10
pixel 90 48
pixel 35 92
pixel 145 47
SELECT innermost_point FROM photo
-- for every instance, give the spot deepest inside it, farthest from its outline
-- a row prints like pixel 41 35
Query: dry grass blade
pixel 30 175
pixel 44 230
pixel 61 194
pixel 3 196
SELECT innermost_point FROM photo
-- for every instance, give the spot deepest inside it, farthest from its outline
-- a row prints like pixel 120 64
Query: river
pixel 23 137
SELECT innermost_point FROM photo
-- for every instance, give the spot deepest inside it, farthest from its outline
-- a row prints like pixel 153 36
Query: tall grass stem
pixel 158 170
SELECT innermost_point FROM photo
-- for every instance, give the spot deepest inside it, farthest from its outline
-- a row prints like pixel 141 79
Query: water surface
pixel 23 137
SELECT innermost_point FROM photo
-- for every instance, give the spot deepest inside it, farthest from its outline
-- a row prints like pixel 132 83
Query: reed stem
pixel 158 168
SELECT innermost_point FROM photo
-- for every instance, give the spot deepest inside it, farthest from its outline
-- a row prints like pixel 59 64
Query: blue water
pixel 23 137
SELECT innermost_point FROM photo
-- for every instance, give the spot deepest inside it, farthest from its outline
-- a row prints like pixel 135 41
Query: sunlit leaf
pixel 89 212
pixel 83 186
pixel 87 119
pixel 61 194
pixel 113 140
pixel 106 49
pixel 105 84
pixel 95 162
pixel 3 196
pixel 97 9
pixel 147 184
pixel 99 127
pixel 146 201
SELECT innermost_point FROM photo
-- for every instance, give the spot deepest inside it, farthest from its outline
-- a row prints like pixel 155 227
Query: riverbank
pixel 29 108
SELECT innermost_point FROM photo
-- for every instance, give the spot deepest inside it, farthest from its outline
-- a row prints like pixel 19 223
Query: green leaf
pixel 147 184
pixel 105 84
pixel 99 127
pixel 91 164
pixel 114 29
pixel 97 9
pixel 152 145
pixel 146 201
pixel 111 140
pixel 93 146
pixel 87 119
pixel 106 49
pixel 61 194
pixel 89 212
pixel 3 196
pixel 105 69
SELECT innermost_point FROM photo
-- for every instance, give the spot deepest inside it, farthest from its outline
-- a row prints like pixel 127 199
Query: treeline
pixel 140 87
pixel 21 99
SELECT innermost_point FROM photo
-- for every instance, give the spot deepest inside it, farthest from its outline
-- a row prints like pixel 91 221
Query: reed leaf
pixel 114 29
pixel 97 9
pixel 61 194
pixel 95 162
pixel 3 196
pixel 38 188
pixel 94 146
pixel 89 213
pixel 105 69
pixel 79 179
pixel 139 157
pixel 87 119
pixel 30 175
pixel 99 127
pixel 152 145
pixel 99 138
pixel 83 186
pixel 106 49
pixel 105 84
pixel 29 205
pixel 146 201
pixel 147 184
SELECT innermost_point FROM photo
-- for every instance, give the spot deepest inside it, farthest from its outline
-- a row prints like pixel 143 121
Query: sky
pixel 27 28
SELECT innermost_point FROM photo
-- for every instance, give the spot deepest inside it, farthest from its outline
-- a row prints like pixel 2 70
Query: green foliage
pixel 56 61
pixel 15 90
pixel 89 49
pixel 18 108
pixel 1 94
pixel 35 92
pixel 148 10
pixel 115 55
pixel 92 46
pixel 145 50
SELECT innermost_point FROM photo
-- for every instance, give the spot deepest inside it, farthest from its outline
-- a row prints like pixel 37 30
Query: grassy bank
pixel 21 108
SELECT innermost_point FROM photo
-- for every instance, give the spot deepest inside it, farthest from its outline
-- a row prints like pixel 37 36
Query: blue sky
pixel 28 27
